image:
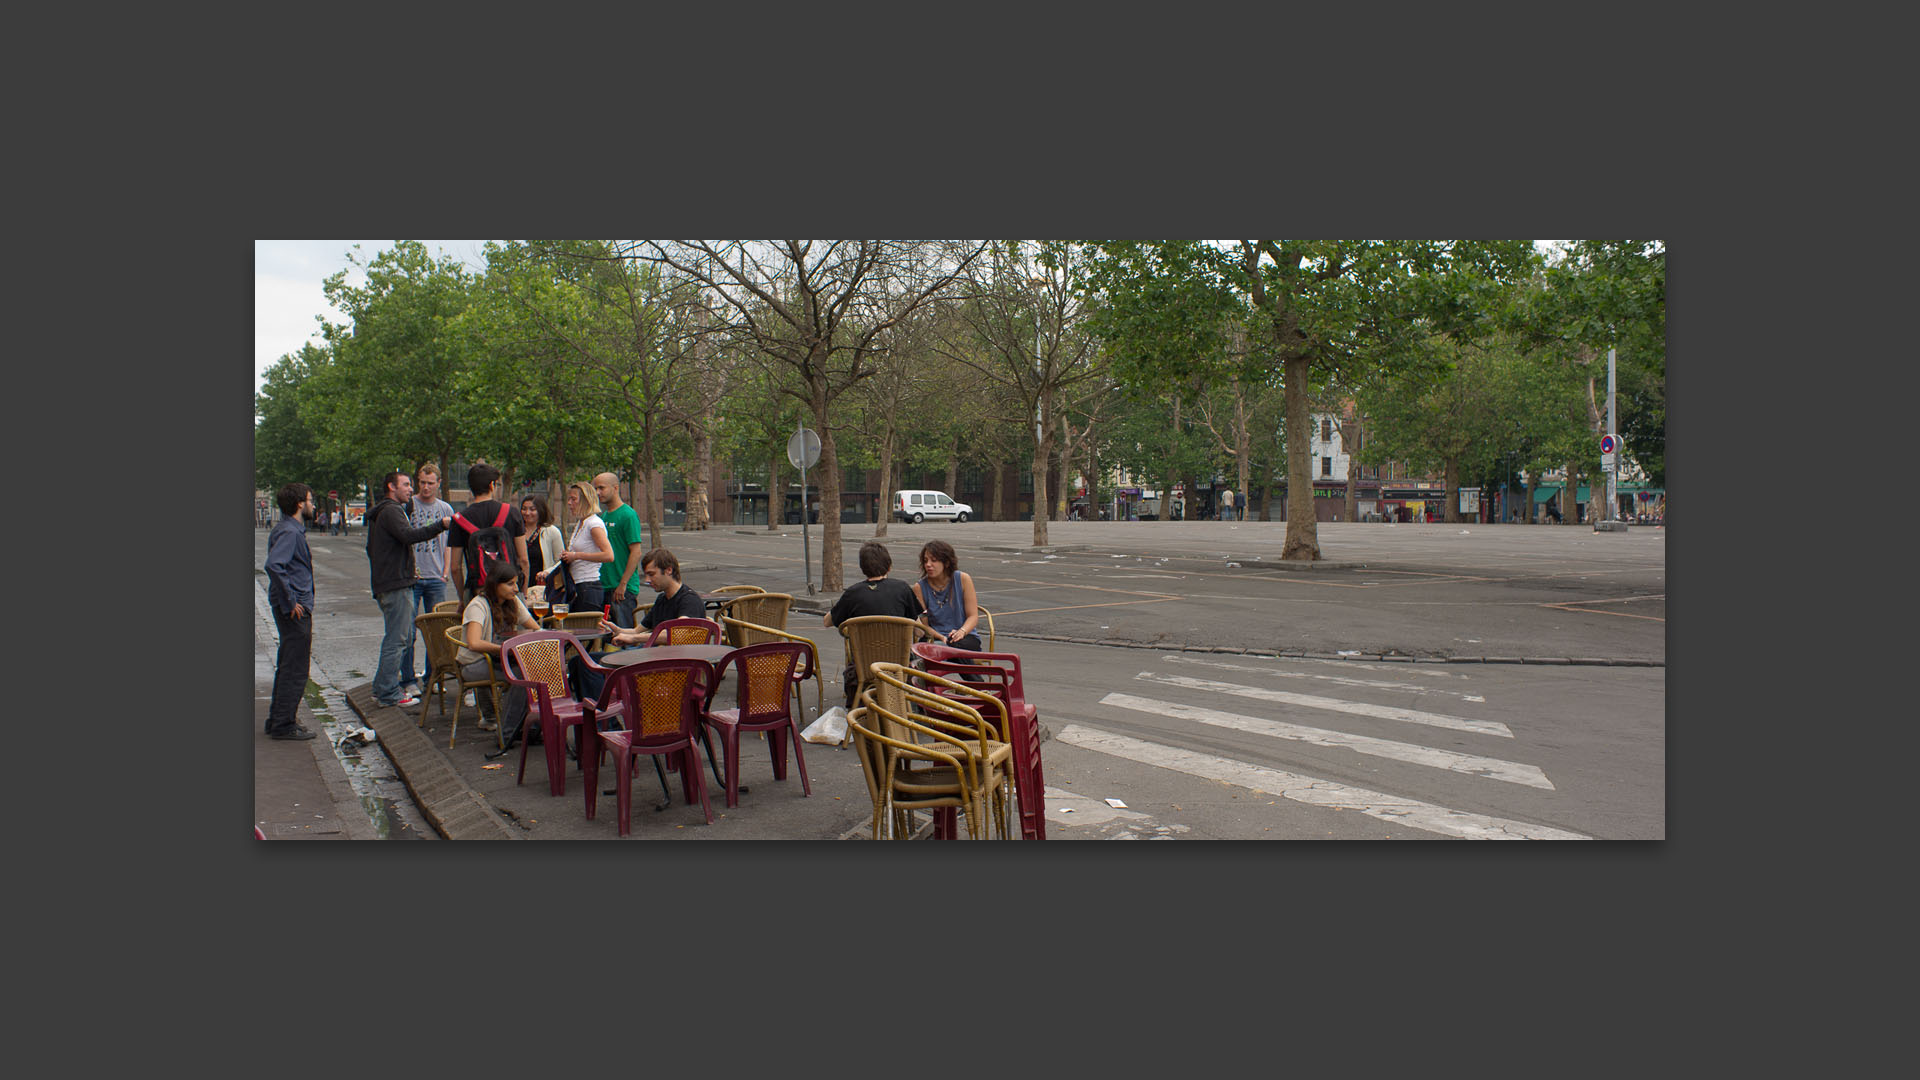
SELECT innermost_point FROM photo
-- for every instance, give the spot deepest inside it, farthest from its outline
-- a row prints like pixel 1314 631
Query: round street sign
pixel 1609 443
pixel 803 450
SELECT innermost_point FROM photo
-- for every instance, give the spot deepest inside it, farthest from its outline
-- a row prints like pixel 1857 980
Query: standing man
pixel 485 514
pixel 390 540
pixel 619 577
pixel 1226 505
pixel 290 594
pixel 431 580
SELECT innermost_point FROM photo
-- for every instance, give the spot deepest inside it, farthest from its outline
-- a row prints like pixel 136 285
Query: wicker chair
pixel 987 617
pixel 740 634
pixel 572 620
pixel 761 609
pixel 442 662
pixel 931 754
pixel 996 675
pixel 449 605
pixel 494 684
pixel 880 639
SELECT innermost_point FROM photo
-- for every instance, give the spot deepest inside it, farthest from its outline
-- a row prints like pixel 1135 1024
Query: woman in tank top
pixel 588 548
pixel 947 594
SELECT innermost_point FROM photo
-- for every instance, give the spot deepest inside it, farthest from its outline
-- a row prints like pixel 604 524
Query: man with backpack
pixel 487 531
pixel 390 540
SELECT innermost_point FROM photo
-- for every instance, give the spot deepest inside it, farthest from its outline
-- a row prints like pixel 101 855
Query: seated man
pixel 675 601
pixel 877 595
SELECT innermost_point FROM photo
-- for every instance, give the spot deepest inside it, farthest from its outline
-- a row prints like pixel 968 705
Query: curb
pixel 456 811
pixel 1303 654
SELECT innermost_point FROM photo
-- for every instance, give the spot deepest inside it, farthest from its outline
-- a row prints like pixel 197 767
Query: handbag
pixel 560 586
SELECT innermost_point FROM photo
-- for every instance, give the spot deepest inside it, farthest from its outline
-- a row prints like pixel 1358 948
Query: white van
pixel 917 506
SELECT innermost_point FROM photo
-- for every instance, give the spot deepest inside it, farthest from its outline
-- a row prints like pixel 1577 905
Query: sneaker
pixel 407 701
pixel 299 731
pixel 412 690
pixel 488 725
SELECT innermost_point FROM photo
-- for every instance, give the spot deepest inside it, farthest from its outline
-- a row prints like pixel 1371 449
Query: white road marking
pixel 1310 701
pixel 1371 684
pixel 1512 772
pixel 1311 791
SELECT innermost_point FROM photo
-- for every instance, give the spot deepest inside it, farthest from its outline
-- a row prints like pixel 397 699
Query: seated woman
pixel 947 594
pixel 496 605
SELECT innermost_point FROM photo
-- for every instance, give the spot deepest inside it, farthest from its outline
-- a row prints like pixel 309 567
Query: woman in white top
pixel 588 547
pixel 544 544
pixel 496 604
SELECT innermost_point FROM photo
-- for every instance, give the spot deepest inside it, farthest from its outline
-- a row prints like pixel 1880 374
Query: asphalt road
pixel 1218 704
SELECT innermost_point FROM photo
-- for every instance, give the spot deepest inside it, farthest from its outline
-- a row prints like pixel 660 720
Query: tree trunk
pixel 830 556
pixel 1352 509
pixel 1451 510
pixel 999 490
pixel 1303 539
pixel 886 484
pixel 699 482
pixel 776 494
pixel 1166 491
pixel 1569 497
pixel 1042 454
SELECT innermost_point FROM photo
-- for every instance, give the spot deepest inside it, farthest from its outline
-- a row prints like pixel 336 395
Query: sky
pixel 287 296
pixel 286 289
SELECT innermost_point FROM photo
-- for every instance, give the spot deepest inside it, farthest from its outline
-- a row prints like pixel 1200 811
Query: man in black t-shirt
pixel 676 601
pixel 484 481
pixel 877 595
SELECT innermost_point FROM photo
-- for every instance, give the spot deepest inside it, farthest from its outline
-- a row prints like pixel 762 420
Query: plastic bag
pixel 830 728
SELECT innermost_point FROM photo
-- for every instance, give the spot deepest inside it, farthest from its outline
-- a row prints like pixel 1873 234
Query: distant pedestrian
pixel 289 570
pixel 1226 505
pixel 390 540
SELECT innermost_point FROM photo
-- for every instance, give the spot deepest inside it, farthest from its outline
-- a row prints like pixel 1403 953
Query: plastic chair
pixel 493 684
pixel 741 634
pixel 961 674
pixel 880 639
pixel 442 662
pixel 536 662
pixel 686 632
pixel 661 720
pixel 934 754
pixel 762 704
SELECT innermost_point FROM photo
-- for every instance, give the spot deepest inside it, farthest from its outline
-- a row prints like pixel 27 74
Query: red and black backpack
pixel 485 546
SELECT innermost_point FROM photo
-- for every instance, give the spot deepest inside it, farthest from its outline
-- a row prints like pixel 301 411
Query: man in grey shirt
pixel 431 581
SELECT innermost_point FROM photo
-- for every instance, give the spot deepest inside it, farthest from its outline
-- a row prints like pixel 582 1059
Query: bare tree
pixel 1023 327
pixel 820 307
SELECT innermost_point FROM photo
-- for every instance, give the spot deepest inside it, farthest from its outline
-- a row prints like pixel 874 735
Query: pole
pixel 1613 471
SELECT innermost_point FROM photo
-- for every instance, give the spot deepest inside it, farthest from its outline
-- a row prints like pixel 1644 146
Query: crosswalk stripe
pixel 1312 791
pixel 1337 680
pixel 1357 708
pixel 1512 772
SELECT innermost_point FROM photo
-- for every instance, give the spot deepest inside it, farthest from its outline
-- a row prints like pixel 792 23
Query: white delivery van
pixel 917 506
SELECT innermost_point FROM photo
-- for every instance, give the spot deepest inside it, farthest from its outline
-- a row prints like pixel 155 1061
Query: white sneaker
pixel 407 701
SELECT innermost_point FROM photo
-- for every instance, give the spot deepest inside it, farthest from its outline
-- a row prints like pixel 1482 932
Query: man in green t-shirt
pixel 620 578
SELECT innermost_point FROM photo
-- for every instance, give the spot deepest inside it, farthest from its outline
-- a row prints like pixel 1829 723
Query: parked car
pixel 918 505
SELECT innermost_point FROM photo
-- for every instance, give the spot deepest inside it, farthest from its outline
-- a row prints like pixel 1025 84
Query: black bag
pixel 485 546
pixel 560 586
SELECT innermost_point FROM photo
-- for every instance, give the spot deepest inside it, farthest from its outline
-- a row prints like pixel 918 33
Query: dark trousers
pixel 289 671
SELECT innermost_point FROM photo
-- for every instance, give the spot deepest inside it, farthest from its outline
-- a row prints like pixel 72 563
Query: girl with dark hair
pixel 497 604
pixel 948 596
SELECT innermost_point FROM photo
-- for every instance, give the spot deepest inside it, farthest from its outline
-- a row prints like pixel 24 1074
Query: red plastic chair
pixel 536 661
pixel 763 704
pixel 662 717
pixel 999 675
pixel 686 632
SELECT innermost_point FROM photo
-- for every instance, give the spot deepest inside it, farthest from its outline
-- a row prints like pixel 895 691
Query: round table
pixel 712 654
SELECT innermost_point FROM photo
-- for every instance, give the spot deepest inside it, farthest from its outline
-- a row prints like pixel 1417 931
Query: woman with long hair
pixel 544 544
pixel 588 548
pixel 947 594
pixel 496 605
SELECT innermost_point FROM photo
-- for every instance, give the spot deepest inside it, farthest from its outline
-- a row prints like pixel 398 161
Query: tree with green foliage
pixel 285 447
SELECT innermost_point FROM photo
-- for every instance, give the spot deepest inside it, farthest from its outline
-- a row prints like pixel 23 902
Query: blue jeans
pixel 396 614
pixel 426 593
pixel 623 609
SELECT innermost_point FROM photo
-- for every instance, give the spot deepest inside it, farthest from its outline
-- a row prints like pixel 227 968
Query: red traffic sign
pixel 333 494
pixel 1609 443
